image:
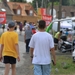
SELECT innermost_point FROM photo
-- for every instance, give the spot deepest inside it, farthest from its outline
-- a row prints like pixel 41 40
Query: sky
pixel 27 0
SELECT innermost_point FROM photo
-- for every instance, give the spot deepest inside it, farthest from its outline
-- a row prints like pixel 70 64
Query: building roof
pixel 6 8
pixel 23 6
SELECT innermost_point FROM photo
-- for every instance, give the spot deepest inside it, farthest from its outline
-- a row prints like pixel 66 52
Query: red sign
pixel 43 11
pixel 45 17
pixel 2 17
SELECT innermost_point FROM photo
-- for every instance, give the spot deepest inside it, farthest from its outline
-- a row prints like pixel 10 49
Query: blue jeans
pixel 27 45
pixel 42 69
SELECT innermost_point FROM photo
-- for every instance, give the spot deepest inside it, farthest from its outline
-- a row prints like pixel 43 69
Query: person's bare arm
pixel 24 28
pixel 17 50
pixel 1 51
pixel 59 37
pixel 31 53
pixel 53 55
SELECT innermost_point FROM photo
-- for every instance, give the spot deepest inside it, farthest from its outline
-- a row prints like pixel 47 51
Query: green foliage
pixel 68 2
pixel 47 3
pixel 18 1
pixel 34 3
pixel 55 3
pixel 72 2
pixel 65 2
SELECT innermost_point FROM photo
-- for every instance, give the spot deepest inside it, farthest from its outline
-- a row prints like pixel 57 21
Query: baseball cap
pixel 11 24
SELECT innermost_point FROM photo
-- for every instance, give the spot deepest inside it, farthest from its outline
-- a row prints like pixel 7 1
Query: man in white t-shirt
pixel 41 44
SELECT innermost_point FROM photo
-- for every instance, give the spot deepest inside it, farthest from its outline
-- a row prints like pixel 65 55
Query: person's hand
pixel 0 57
pixel 54 63
pixel 25 41
pixel 18 58
pixel 31 59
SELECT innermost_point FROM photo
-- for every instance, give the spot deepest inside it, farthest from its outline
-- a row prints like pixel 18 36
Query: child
pixel 9 49
pixel 69 38
pixel 33 30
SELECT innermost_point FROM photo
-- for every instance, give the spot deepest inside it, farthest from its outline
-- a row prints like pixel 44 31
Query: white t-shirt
pixel 42 42
pixel 26 26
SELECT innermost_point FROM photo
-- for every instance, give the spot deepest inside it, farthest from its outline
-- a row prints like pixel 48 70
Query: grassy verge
pixel 64 66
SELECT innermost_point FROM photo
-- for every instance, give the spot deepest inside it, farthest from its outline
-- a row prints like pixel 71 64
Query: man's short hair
pixel 11 24
pixel 42 24
pixel 60 31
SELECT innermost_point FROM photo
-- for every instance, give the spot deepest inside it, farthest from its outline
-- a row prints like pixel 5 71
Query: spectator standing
pixel 26 25
pixel 27 37
pixel 3 27
pixel 9 49
pixel 20 27
pixel 66 32
pixel 15 25
pixel 69 38
pixel 31 25
pixel 41 44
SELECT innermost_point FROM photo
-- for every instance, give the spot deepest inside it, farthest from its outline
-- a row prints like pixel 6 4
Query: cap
pixel 11 24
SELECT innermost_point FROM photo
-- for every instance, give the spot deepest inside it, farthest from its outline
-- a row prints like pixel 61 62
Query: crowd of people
pixel 40 45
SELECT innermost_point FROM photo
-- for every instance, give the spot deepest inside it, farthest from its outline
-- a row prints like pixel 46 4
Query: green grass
pixel 67 69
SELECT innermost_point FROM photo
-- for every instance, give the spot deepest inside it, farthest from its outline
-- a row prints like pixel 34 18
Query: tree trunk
pixel 60 13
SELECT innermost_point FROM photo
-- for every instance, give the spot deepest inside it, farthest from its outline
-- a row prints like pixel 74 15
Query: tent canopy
pixel 63 24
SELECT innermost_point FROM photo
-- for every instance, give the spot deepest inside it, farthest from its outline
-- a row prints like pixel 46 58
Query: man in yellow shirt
pixel 57 38
pixel 9 49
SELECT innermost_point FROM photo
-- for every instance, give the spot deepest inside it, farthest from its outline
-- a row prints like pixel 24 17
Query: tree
pixel 18 1
pixel 72 2
pixel 43 3
pixel 65 2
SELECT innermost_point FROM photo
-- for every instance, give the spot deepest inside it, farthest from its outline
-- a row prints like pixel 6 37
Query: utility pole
pixel 37 5
pixel 46 6
pixel 52 8
pixel 42 4
pixel 59 13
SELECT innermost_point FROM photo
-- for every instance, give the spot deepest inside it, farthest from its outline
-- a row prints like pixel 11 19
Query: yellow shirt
pixel 9 39
pixel 56 35
pixel 0 40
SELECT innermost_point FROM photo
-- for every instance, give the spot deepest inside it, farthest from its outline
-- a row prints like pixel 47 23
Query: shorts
pixel 9 59
pixel 42 69
pixel 55 40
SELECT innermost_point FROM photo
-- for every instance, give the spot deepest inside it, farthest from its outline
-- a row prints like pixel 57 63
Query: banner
pixel 39 14
pixel 42 15
pixel 43 11
pixel 2 17
pixel 47 19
